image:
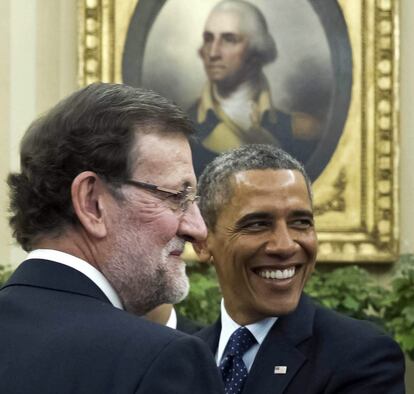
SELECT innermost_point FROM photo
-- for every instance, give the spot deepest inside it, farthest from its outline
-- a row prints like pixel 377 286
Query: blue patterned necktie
pixel 233 369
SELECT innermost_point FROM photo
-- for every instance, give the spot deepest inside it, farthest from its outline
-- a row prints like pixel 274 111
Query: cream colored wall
pixel 38 66
pixel 4 126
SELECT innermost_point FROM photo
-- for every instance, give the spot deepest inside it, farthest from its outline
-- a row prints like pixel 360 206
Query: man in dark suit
pixel 271 338
pixel 104 205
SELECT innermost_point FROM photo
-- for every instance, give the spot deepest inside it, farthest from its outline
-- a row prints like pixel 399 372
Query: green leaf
pixel 351 303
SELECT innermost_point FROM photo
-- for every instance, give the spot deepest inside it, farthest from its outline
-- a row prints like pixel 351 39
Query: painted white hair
pixel 254 25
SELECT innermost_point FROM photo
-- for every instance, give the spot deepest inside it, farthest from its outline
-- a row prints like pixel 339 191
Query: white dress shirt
pixel 259 330
pixel 172 320
pixel 82 266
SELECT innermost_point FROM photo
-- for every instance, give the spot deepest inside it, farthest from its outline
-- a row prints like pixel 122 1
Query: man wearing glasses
pixel 104 203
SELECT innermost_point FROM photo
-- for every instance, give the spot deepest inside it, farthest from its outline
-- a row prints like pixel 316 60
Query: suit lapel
pixel 274 352
pixel 55 276
pixel 281 349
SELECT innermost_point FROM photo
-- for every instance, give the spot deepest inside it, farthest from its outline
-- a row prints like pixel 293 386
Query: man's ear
pixel 202 250
pixel 87 198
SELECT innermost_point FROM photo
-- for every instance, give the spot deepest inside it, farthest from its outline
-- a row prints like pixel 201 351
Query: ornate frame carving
pixel 357 195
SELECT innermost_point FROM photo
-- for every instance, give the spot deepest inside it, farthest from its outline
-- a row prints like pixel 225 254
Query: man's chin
pixel 180 291
pixel 216 77
pixel 170 296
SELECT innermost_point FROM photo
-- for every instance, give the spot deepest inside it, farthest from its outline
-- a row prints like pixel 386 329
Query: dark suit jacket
pixel 186 325
pixel 324 352
pixel 60 334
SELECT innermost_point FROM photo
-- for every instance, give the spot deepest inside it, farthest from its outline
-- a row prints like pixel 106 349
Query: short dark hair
pixel 94 129
pixel 214 186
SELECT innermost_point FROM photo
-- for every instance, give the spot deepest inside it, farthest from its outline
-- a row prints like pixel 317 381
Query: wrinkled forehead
pixel 162 156
pixel 220 21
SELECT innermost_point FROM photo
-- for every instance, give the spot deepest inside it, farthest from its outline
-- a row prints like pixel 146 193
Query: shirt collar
pixel 172 320
pixel 82 266
pixel 264 101
pixel 259 329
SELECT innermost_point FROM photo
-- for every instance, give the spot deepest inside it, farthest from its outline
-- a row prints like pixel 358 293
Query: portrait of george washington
pixel 264 71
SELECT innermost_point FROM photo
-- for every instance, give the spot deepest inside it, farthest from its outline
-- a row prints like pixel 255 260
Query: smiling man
pixel 271 338
pixel 103 203
pixel 235 107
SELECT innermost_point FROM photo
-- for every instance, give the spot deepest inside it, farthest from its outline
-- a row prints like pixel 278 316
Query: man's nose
pixel 192 227
pixel 214 49
pixel 281 242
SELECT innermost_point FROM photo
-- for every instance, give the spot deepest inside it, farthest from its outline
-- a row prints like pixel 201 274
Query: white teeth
pixel 278 274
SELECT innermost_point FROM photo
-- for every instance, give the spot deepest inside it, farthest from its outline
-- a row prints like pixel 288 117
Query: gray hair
pixel 214 186
pixel 252 23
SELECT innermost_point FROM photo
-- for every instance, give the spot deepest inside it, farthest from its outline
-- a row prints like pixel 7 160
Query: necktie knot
pixel 240 342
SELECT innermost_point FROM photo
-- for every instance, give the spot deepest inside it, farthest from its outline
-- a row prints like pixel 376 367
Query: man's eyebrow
pixel 302 212
pixel 268 216
pixel 254 216
pixel 231 34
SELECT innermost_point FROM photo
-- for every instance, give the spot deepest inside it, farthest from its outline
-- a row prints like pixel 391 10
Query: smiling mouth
pixel 267 273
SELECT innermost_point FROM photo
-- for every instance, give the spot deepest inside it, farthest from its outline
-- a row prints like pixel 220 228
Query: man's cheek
pixel 154 211
pixel 164 225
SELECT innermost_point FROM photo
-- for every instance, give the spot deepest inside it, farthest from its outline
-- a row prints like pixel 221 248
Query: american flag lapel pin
pixel 280 370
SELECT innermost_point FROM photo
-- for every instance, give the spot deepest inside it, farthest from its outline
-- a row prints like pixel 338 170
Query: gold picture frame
pixel 356 196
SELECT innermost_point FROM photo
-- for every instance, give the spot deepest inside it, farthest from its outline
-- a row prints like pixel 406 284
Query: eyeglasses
pixel 180 200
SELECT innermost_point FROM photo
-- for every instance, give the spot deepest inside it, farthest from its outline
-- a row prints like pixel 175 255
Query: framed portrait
pixel 318 78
